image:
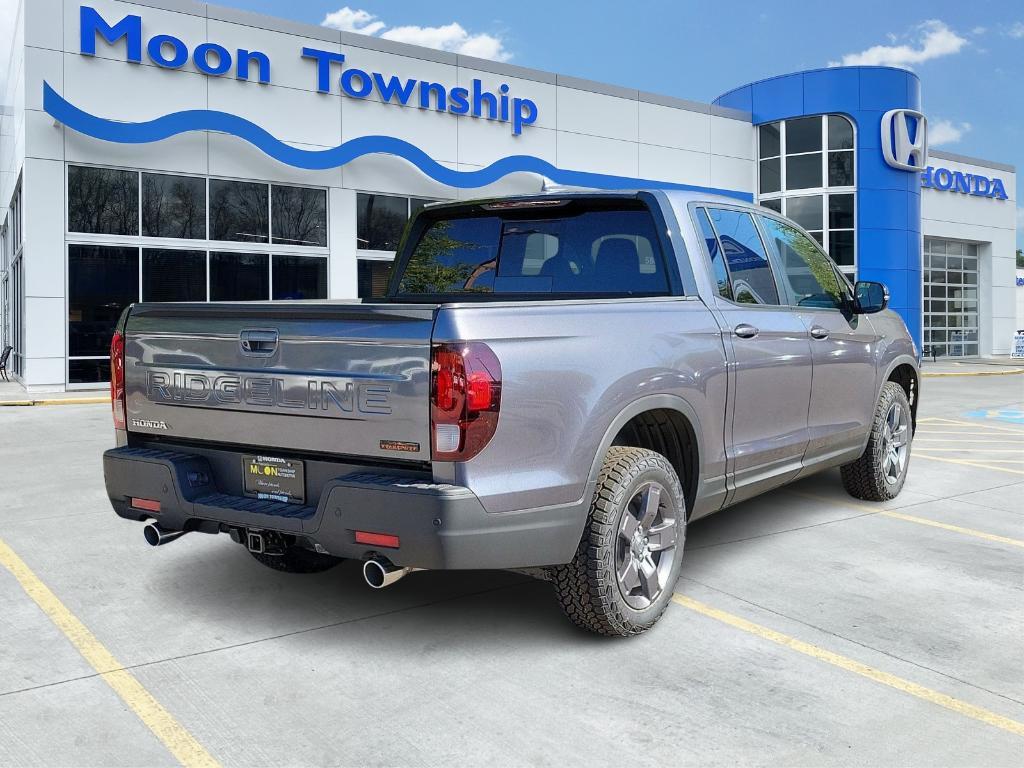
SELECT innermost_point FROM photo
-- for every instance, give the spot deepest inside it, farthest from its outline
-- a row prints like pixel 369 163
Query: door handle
pixel 258 342
pixel 817 332
pixel 745 331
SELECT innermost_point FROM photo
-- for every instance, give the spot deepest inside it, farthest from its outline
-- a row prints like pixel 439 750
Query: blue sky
pixel 970 56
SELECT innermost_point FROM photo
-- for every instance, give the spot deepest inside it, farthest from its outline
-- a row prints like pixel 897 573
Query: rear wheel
pixel 297 560
pixel 625 569
pixel 879 473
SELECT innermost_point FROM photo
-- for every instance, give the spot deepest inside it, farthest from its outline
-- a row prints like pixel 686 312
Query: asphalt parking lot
pixel 809 629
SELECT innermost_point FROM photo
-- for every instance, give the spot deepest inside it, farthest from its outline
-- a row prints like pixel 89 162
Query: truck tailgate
pixel 340 378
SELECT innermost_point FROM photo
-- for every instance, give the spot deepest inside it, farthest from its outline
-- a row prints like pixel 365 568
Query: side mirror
pixel 869 297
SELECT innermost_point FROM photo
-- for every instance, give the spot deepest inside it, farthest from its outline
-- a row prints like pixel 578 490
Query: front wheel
pixel 881 471
pixel 628 560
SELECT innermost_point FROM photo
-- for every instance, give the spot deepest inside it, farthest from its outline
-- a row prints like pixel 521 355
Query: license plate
pixel 268 477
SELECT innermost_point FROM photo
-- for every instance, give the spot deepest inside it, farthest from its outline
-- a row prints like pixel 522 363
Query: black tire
pixel 297 560
pixel 871 477
pixel 588 588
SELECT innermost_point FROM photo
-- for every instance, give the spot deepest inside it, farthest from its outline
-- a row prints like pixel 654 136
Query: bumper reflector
pixel 147 504
pixel 377 539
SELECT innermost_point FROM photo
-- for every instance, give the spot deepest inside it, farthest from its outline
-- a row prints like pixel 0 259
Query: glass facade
pixel 806 171
pixel 151 237
pixel 950 298
pixel 380 222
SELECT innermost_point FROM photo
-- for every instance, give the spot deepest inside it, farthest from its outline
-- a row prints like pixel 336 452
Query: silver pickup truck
pixel 557 382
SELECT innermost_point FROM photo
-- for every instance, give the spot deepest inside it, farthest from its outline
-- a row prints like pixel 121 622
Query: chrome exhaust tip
pixel 157 536
pixel 379 572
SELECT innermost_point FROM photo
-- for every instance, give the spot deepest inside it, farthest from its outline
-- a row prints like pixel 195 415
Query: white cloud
pixel 946 132
pixel 931 39
pixel 349 20
pixel 447 37
pixel 979 31
pixel 1016 30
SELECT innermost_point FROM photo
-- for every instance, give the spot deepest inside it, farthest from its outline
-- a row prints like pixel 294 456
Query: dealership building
pixel 168 150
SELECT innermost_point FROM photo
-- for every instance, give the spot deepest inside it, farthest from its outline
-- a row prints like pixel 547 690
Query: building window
pixel 172 275
pixel 806 171
pixel 239 211
pixel 103 201
pixel 299 216
pixel 950 298
pixel 299 277
pixel 284 256
pixel 381 219
pixel 173 206
pixel 239 276
pixel 373 278
pixel 102 281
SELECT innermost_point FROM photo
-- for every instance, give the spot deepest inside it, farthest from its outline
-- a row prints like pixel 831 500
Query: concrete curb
pixel 939 374
pixel 56 401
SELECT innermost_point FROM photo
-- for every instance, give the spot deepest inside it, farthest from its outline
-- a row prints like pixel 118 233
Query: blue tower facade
pixel 888 218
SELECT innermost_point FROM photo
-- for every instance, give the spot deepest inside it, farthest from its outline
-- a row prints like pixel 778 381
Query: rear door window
pixel 745 255
pixel 561 251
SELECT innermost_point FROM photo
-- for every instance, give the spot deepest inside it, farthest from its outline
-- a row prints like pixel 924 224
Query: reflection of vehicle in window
pixel 556 382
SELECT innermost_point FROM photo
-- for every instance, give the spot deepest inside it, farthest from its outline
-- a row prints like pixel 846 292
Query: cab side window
pixel 715 252
pixel 809 273
pixel 745 256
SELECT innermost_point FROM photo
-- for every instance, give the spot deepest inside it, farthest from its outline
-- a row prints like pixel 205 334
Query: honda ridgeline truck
pixel 558 382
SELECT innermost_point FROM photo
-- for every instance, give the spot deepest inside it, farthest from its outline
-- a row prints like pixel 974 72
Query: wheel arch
pixel 663 423
pixel 904 371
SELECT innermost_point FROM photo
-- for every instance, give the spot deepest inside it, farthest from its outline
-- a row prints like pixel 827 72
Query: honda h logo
pixel 905 139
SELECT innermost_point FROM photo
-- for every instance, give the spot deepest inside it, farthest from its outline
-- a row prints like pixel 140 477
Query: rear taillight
pixel 117 396
pixel 465 396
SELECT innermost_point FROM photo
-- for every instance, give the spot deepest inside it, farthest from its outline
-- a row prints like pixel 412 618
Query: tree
pixel 427 271
pixel 1020 259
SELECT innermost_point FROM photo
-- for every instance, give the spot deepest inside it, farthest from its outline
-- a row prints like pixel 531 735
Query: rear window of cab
pixel 537 249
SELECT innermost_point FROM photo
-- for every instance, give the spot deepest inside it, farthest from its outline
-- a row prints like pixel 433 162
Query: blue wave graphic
pixel 176 123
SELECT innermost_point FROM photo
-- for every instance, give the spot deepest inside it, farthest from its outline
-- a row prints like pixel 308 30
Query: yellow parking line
pixel 955 528
pixel 850 665
pixel 947 441
pixel 1002 433
pixel 944 374
pixel 982 424
pixel 930 449
pixel 179 741
pixel 967 463
pixel 57 401
pixel 912 519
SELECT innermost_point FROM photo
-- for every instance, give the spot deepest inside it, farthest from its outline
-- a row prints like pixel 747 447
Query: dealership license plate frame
pixel 285 482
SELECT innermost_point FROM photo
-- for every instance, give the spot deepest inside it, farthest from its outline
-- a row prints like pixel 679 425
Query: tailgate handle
pixel 258 342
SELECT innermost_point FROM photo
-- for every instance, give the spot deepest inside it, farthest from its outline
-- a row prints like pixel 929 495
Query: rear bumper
pixel 439 526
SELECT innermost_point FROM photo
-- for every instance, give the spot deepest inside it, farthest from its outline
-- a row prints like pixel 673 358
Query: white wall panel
pixel 482 142
pixel 393 175
pixel 433 132
pixel 732 173
pixel 734 138
pixel 677 128
pixel 130 92
pixel 44 23
pixel 185 153
pixel 275 110
pixel 188 28
pixel 287 67
pixel 235 158
pixel 44 234
pixel 597 114
pixel 43 138
pixel 590 153
pixel 42 65
pixel 676 165
pixel 541 94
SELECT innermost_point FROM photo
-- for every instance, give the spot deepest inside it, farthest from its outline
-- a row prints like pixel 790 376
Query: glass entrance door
pixel 950 298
